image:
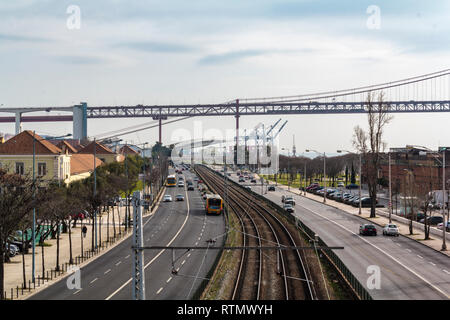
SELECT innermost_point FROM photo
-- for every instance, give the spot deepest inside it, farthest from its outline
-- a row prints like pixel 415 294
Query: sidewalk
pixel 14 268
pixel 435 241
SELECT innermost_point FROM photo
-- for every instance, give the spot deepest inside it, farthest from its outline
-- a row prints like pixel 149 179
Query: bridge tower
pixel 80 121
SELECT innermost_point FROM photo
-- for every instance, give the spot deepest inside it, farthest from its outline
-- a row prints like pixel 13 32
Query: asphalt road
pixel 177 223
pixel 408 269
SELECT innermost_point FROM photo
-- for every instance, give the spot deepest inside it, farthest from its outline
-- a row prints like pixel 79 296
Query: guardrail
pixel 357 288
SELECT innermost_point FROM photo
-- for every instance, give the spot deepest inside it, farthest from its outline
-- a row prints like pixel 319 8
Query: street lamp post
pixel 324 174
pixel 33 236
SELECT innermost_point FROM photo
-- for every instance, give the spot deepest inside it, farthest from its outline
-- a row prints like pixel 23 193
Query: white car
pixel 391 230
pixel 439 226
pixel 341 184
pixel 181 184
pixel 167 198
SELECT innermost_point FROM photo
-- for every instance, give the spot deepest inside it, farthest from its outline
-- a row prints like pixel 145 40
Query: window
pixel 19 168
pixel 42 169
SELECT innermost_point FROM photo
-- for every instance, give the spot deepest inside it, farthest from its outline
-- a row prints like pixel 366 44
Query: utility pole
pixel 138 252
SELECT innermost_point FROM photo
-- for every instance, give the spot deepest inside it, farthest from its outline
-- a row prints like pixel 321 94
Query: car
pixel 434 220
pixel 288 208
pixel 341 185
pixel 367 229
pixel 271 188
pixel 241 179
pixel 179 197
pixel 248 188
pixel 180 178
pixel 181 184
pixel 253 180
pixel 190 187
pixel 352 186
pixel 439 226
pixel 167 198
pixel 391 230
pixel 335 196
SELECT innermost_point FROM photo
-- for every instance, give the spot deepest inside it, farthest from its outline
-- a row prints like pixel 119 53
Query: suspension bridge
pixel 424 93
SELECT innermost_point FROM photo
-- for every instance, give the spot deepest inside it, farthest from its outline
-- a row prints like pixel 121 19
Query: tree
pixel 16 202
pixel 371 144
pixel 353 175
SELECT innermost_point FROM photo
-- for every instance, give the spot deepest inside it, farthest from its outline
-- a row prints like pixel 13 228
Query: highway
pixel 409 270
pixel 177 223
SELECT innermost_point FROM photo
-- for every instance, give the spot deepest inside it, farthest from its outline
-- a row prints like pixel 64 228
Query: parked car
pixel 271 188
pixel 391 230
pixel 352 186
pixel 167 198
pixel 367 229
pixel 341 184
pixel 241 179
pixel 179 197
pixel 248 188
pixel 253 180
pixel 441 224
pixel 434 220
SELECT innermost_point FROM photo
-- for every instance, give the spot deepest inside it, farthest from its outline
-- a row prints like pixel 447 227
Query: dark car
pixel 352 186
pixel 179 197
pixel 271 188
pixel 253 180
pixel 367 229
pixel 190 187
pixel 434 220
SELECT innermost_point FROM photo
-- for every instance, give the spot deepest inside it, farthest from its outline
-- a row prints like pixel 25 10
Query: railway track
pixel 263 274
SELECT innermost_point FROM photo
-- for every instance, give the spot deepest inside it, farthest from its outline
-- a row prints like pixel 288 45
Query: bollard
pixel 47 276
pixel 17 292
pixel 39 281
pixel 29 285
pixel 12 294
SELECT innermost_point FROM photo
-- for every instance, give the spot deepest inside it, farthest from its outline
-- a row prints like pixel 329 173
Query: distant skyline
pixel 187 52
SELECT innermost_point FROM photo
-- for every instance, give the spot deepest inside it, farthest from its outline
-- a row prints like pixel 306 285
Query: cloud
pixel 230 57
pixel 157 47
pixel 81 60
pixel 20 38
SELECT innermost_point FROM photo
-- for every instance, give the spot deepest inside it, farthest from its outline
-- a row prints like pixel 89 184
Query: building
pixel 102 152
pixel 51 162
pixel 126 150
pixel 424 165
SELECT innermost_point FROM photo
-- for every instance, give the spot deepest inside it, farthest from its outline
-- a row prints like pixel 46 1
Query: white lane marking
pixel 168 280
pixel 77 291
pixel 107 271
pixel 160 253
pixel 420 256
pixel 381 250
pixel 446 271
pixel 433 264
pixel 196 243
pixel 408 250
pixel 118 263
pixel 160 289
pixel 188 255
pixel 93 280
pixel 127 256
pixel 183 262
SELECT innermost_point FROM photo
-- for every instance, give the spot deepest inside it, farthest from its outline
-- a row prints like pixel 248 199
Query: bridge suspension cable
pixel 347 92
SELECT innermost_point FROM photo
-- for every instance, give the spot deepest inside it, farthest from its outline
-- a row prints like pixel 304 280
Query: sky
pixel 119 52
